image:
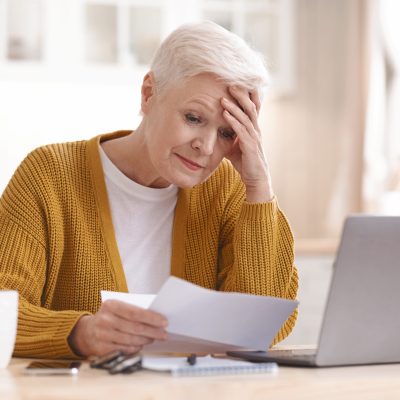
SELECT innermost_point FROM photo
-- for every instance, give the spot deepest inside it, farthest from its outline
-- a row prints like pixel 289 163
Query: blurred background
pixel 72 69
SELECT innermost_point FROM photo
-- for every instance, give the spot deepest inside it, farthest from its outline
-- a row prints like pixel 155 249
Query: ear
pixel 148 91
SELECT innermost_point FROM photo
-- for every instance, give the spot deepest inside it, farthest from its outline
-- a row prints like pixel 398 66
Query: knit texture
pixel 57 244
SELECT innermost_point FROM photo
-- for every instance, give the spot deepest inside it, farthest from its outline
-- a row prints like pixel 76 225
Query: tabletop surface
pixel 360 382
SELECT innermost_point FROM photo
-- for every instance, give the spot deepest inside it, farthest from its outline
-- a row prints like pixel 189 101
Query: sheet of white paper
pixel 139 300
pixel 206 320
pixel 188 344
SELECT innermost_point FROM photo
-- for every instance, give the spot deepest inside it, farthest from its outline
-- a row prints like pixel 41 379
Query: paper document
pixel 204 320
pixel 139 300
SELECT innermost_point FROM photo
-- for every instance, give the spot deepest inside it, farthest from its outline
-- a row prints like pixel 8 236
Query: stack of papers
pixel 204 320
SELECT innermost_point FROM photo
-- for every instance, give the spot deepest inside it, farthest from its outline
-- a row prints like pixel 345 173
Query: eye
pixel 191 118
pixel 227 134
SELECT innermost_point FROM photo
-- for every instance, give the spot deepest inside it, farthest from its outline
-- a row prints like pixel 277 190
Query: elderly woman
pixel 187 193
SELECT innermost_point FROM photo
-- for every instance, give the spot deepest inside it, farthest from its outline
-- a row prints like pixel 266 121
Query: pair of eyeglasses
pixel 118 362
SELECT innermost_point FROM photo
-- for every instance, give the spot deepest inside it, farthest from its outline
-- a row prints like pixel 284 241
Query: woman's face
pixel 186 133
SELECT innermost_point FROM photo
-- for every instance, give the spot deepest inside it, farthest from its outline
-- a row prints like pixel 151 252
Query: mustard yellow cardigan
pixel 58 249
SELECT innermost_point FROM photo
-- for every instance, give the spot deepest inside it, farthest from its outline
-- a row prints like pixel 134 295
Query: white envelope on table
pixel 204 320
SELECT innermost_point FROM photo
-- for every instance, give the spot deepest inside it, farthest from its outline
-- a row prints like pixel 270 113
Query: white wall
pixel 34 114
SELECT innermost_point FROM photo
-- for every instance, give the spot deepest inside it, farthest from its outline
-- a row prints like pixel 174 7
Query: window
pixel 87 34
pixel 22 29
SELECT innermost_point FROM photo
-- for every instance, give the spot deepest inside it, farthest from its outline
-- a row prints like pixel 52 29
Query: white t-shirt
pixel 142 219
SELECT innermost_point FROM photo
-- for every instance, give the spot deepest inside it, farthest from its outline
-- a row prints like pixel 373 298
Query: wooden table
pixel 365 382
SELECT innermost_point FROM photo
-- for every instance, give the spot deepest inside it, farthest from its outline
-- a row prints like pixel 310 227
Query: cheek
pixel 180 137
pixel 225 147
pixel 217 157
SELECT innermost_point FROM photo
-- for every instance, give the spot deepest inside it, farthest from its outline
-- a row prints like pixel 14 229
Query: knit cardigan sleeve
pixel 256 251
pixel 24 261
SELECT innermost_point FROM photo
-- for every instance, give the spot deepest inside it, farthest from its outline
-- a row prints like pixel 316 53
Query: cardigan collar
pixel 103 206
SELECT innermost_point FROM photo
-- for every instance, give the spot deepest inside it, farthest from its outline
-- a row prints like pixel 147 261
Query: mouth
pixel 189 164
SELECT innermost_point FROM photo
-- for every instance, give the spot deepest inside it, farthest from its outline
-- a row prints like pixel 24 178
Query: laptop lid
pixel 361 323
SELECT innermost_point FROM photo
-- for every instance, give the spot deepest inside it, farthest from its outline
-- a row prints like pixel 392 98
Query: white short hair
pixel 206 47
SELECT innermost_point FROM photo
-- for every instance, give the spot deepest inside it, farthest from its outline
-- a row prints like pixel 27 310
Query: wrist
pixel 259 193
pixel 77 337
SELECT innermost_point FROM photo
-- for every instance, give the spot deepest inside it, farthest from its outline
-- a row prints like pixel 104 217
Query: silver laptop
pixel 361 322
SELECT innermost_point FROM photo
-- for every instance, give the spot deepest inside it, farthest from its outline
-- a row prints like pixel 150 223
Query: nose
pixel 205 143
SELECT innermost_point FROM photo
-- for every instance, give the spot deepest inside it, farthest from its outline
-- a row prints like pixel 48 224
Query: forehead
pixel 204 88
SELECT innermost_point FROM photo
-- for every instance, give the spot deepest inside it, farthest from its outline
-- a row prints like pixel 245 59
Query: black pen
pixel 191 360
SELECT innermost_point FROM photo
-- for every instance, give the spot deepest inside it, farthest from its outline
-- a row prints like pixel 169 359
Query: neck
pixel 131 156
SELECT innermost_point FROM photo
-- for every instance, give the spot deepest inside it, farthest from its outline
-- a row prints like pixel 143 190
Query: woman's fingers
pixel 129 312
pixel 103 348
pixel 120 338
pixel 141 329
pixel 236 125
pixel 236 112
pixel 255 98
pixel 117 326
pixel 247 154
pixel 249 103
pixel 126 319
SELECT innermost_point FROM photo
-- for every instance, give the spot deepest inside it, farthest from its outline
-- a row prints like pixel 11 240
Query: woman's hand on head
pixel 116 326
pixel 247 154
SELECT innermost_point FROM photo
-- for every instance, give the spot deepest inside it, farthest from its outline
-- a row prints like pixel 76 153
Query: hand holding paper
pixel 203 320
pixel 116 326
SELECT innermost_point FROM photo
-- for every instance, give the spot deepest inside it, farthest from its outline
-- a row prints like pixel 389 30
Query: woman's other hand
pixel 247 154
pixel 116 326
